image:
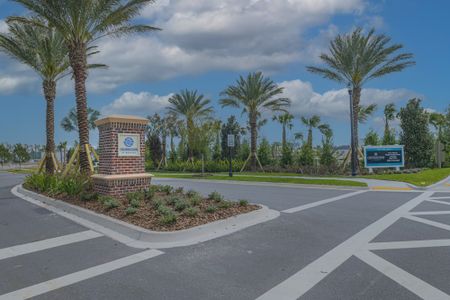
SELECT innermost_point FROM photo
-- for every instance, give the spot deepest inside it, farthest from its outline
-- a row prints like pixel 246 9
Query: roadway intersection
pixel 328 243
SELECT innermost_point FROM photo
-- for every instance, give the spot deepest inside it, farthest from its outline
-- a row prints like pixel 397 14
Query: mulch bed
pixel 148 217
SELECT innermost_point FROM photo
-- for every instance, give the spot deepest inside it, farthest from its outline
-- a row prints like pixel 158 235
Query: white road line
pixel 405 279
pixel 48 243
pixel 437 212
pixel 321 202
pixel 409 244
pixel 301 282
pixel 438 202
pixel 57 283
pixel 428 222
pixel 439 198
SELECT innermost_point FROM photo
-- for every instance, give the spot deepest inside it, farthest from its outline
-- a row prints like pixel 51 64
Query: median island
pixel 158 208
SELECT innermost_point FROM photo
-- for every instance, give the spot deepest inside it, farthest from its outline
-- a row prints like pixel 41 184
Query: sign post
pixel 231 145
pixel 392 156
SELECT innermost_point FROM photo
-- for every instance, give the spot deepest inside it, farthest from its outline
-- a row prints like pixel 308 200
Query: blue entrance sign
pixel 384 156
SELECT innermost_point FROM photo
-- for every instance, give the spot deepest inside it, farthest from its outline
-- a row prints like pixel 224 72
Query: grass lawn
pixel 21 171
pixel 266 179
pixel 423 178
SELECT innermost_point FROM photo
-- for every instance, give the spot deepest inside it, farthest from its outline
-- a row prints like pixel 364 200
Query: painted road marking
pixel 438 202
pixel 429 222
pixel 321 202
pixel 423 213
pixel 301 282
pixel 407 280
pixel 390 188
pixel 48 243
pixel 57 283
pixel 409 244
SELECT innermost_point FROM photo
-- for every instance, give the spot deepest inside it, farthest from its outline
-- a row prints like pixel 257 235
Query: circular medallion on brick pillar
pixel 122 156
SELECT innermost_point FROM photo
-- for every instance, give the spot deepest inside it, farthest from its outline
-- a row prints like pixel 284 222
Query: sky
pixel 206 44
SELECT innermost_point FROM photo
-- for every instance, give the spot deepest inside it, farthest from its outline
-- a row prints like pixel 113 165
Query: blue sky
pixel 207 44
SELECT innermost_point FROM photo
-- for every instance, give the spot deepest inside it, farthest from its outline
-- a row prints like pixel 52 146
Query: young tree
pixel 173 127
pixel 389 115
pixel 154 130
pixel 20 154
pixel 193 107
pixel 328 152
pixel 311 123
pixel 254 94
pixel 43 50
pixel 265 152
pixel 5 154
pixel 357 58
pixel 371 138
pixel 81 23
pixel 244 150
pixel 70 122
pixel 415 134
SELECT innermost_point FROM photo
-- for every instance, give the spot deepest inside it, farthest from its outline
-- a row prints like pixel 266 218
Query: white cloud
pixel 3 26
pixel 230 35
pixel 142 104
pixel 10 84
pixel 335 103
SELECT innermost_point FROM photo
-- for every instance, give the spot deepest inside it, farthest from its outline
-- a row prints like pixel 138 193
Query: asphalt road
pixel 325 245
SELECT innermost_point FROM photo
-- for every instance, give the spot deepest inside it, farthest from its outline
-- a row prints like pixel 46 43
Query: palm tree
pixel 311 123
pixel 43 50
pixel 191 106
pixel 81 23
pixel 365 112
pixel 62 148
pixel 255 94
pixel 357 58
pixel 389 115
pixel 173 127
pixel 70 122
pixel 286 122
pixel 438 121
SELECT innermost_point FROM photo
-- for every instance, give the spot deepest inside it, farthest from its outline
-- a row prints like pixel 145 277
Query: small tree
pixel 328 152
pixel 5 154
pixel 21 154
pixel 371 138
pixel 389 133
pixel 265 152
pixel 244 150
pixel 416 134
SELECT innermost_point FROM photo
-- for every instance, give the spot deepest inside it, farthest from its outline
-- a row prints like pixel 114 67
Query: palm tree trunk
pixel 283 139
pixel 172 147
pixel 77 56
pixel 253 143
pixel 356 107
pixel 49 87
pixel 164 149
pixel 190 128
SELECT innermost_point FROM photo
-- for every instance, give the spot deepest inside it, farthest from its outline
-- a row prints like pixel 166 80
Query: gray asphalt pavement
pixel 372 245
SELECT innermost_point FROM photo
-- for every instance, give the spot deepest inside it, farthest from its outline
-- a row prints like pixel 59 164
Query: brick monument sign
pixel 122 156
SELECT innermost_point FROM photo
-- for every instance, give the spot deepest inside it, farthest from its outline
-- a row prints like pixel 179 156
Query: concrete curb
pixel 438 183
pixel 141 238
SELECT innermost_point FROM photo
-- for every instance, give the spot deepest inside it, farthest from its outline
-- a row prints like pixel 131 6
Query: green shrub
pixel 180 205
pixel 164 210
pixel 170 218
pixel 243 202
pixel 192 194
pixel 173 199
pixel 135 203
pixel 195 200
pixel 88 196
pixel 156 203
pixel 43 183
pixel 225 204
pixel 215 196
pixel 179 190
pixel 149 194
pixel 73 186
pixel 111 203
pixel 130 210
pixel 137 196
pixel 211 209
pixel 191 211
pixel 167 189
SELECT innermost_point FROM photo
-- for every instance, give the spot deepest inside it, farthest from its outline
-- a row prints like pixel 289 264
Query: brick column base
pixel 118 186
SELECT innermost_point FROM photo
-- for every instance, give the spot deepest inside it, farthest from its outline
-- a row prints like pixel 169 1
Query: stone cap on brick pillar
pixel 122 119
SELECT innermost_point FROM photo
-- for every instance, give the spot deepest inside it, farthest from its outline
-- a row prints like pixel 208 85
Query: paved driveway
pixel 328 244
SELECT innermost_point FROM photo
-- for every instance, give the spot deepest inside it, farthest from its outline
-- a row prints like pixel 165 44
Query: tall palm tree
pixel 70 122
pixel 357 58
pixel 255 94
pixel 286 123
pixel 311 123
pixel 191 106
pixel 81 23
pixel 389 115
pixel 43 50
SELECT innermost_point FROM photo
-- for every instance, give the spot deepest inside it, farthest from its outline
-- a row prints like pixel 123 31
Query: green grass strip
pixel 422 178
pixel 267 179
